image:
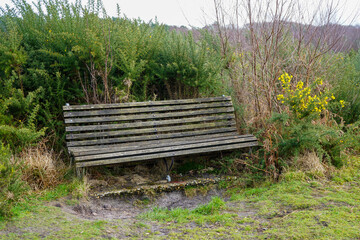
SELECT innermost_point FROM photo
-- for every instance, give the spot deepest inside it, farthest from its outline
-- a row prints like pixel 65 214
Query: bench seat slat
pixel 148 116
pixel 151 137
pixel 166 154
pixel 81 149
pixel 146 109
pixel 115 126
pixel 151 144
pixel 150 103
pixel 165 149
pixel 149 130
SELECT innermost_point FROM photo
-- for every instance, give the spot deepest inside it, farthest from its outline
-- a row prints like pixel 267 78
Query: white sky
pixel 193 12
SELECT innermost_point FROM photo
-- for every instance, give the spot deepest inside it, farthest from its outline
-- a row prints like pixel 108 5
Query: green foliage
pixel 347 88
pixel 63 52
pixel 18 115
pixel 11 186
pixel 214 206
pixel 204 213
pixel 18 137
pixel 294 137
pixel 306 126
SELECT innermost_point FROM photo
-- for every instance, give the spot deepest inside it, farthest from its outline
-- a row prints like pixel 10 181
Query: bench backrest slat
pixel 159 142
pixel 133 117
pixel 143 104
pixel 115 126
pixel 149 109
pixel 103 141
pixel 148 130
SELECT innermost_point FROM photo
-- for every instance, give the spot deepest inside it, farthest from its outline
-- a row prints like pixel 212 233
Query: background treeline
pixel 294 85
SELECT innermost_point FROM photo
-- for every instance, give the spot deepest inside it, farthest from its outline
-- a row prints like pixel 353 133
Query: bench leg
pixel 80 172
pixel 168 168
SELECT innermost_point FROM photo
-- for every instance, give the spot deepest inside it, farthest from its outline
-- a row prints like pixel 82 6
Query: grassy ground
pixel 298 207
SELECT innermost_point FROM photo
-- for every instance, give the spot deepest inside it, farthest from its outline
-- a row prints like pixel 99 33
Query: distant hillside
pixel 339 37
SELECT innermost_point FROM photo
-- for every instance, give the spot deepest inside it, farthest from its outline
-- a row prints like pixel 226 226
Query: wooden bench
pixel 105 134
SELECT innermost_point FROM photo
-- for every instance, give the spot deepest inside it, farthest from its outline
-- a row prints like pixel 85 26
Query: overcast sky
pixel 191 12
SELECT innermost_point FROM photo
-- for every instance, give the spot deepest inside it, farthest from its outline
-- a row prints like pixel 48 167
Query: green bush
pixel 294 137
pixel 11 185
pixel 347 88
pixel 306 126
pixel 18 115
pixel 72 53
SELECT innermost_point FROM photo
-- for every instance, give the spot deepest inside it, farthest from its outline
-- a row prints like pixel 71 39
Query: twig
pixel 247 164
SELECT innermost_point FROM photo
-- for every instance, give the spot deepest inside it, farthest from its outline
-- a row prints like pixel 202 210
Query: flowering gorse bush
pixel 304 100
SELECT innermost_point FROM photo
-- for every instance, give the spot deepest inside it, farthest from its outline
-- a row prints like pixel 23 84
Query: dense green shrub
pixel 306 125
pixel 11 185
pixel 74 53
pixel 18 125
pixel 347 87
pixel 294 137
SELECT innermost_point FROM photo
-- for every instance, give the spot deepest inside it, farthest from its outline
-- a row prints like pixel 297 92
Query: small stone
pixel 94 214
pixel 106 206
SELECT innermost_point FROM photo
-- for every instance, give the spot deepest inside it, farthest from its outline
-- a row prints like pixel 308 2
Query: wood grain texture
pixel 150 103
pixel 165 154
pixel 218 143
pixel 148 116
pixel 121 111
pixel 106 134
pixel 149 130
pixel 156 144
pixel 114 126
pixel 150 137
pixel 81 149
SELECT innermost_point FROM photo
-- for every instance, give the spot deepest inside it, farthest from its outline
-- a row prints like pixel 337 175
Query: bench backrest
pixel 109 125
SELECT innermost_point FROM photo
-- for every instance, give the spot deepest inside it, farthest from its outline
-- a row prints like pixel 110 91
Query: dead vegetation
pixel 42 167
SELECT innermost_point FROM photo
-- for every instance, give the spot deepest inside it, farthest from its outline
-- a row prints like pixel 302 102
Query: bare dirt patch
pixel 127 207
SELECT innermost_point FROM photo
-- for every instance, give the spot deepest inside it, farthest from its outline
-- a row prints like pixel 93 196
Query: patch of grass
pixel 204 213
pixel 326 223
pixel 214 206
pixel 142 225
pixel 34 201
pixel 301 207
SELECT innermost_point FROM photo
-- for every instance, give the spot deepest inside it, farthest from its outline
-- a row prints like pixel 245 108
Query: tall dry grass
pixel 41 166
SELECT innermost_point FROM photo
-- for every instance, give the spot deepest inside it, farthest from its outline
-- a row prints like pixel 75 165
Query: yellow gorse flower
pixel 342 102
pixel 302 100
pixel 300 85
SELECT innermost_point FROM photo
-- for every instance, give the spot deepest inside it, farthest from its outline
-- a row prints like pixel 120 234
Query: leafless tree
pixel 268 38
pixel 272 36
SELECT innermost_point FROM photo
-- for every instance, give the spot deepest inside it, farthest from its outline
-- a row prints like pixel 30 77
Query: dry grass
pixel 41 166
pixel 310 162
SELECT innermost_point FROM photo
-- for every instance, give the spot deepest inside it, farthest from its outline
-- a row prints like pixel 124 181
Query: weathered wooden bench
pixel 105 134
